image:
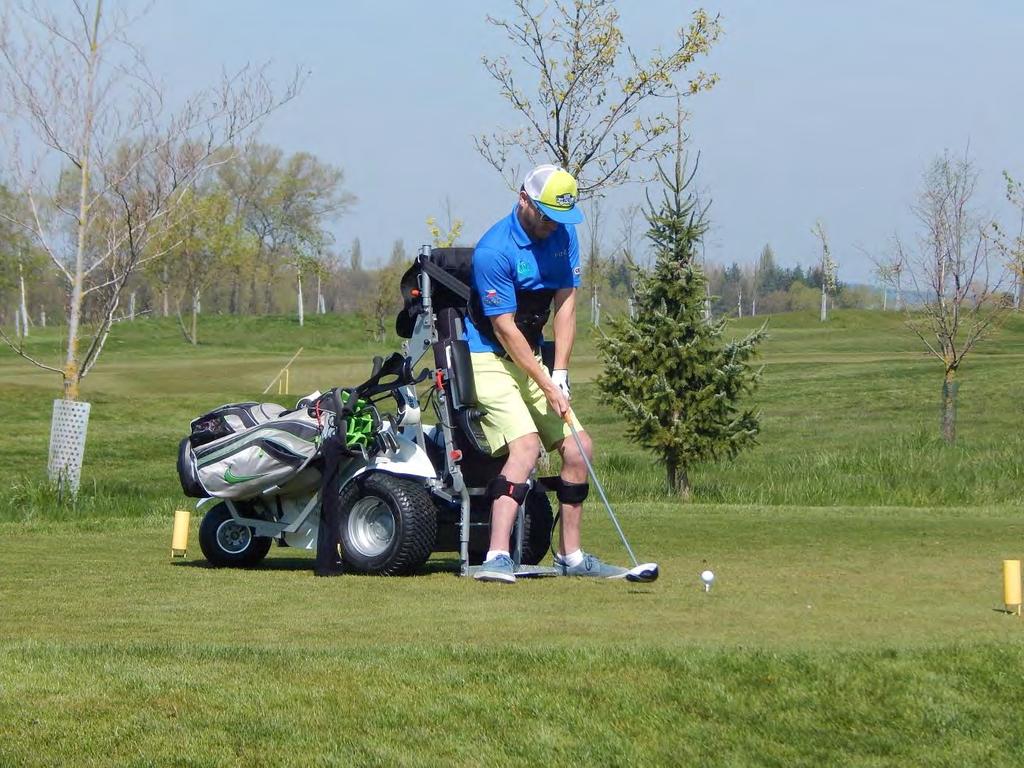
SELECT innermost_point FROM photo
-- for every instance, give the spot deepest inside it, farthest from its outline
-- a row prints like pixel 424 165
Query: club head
pixel 643 573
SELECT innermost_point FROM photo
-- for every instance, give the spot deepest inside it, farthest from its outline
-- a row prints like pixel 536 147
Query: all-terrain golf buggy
pixel 401 490
pixel 404 489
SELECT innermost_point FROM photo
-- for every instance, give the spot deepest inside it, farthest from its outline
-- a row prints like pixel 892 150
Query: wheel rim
pixel 371 527
pixel 233 537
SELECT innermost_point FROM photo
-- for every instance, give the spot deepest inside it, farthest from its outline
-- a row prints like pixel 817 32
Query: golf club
pixel 644 572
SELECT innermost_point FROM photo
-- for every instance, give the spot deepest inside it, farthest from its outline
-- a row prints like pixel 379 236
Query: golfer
pixel 525 265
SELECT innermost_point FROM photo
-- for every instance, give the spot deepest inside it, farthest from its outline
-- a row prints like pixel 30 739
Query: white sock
pixel 573 559
pixel 493 553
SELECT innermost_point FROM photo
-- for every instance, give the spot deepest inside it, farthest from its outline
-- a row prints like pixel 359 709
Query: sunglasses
pixel 543 216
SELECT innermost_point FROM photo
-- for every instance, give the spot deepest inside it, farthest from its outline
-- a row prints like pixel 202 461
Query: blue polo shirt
pixel 507 259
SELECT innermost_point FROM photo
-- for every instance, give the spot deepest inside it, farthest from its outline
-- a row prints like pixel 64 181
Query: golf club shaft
pixel 597 484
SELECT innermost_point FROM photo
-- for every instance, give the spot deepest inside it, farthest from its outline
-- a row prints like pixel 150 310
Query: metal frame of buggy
pixel 451 372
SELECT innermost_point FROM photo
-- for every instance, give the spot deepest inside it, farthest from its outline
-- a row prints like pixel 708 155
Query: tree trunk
pixel 824 304
pixel 302 314
pixel 949 392
pixel 268 290
pixel 233 299
pixel 72 364
pixel 167 298
pixel 195 318
pixel 24 305
pixel 253 293
pixel 678 479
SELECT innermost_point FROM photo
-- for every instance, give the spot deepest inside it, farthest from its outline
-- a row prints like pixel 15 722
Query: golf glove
pixel 561 378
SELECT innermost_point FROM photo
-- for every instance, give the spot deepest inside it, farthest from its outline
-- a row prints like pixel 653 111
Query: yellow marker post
pixel 1011 586
pixel 283 377
pixel 179 536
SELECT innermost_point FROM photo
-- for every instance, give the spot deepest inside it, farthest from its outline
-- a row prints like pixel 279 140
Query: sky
pixel 824 110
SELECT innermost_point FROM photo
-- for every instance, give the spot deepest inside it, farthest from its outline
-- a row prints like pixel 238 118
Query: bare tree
pixel 962 301
pixel 890 270
pixel 588 100
pixel 86 112
pixel 595 268
pixel 626 253
pixel 828 268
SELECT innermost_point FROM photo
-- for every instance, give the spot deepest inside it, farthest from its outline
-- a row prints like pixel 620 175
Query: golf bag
pixel 241 449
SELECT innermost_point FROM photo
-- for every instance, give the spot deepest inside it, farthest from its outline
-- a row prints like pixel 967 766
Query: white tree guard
pixel 67 443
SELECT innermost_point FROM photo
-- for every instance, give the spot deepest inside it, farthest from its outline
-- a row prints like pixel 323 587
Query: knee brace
pixel 572 493
pixel 500 486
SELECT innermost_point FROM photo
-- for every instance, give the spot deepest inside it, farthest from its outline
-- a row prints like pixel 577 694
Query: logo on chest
pixel 524 268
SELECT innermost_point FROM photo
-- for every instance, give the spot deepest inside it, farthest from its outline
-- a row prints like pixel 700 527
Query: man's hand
pixel 558 402
pixel 561 378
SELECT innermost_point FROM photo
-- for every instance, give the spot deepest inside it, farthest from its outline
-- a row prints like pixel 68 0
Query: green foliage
pixel 668 369
pixel 18 257
pixel 285 204
pixel 441 239
pixel 205 241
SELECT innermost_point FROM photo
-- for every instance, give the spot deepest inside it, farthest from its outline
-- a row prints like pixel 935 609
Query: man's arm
pixel 565 326
pixel 521 353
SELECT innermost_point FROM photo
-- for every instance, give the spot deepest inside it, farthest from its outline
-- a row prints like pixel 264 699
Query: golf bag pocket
pixel 244 464
pixel 187 473
pixel 230 419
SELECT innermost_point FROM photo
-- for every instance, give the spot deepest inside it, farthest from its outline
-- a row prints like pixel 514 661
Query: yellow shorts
pixel 515 404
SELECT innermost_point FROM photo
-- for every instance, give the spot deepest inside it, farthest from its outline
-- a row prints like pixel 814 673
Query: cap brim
pixel 572 216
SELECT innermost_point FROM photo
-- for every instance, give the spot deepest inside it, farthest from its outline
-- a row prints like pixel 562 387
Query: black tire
pixel 388 525
pixel 226 543
pixel 536 536
pixel 537 528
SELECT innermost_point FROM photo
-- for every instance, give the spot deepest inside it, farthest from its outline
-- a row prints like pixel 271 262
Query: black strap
pixel 328 539
pixel 446 279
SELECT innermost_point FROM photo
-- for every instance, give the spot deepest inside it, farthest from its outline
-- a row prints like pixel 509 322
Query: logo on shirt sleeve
pixel 576 271
pixel 491 297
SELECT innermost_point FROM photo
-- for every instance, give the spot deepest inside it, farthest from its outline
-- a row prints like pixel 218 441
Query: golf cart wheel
pixel 227 543
pixel 536 536
pixel 388 525
pixel 537 528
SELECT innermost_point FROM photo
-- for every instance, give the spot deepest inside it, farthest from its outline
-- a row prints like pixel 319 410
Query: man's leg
pixel 571 560
pixel 574 470
pixel 522 457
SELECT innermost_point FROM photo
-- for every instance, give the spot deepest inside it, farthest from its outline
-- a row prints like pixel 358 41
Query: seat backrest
pixel 458 264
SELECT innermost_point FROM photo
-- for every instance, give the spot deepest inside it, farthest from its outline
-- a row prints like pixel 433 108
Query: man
pixel 523 266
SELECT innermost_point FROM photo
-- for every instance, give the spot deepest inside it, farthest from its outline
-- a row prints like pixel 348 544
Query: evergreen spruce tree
pixel 669 371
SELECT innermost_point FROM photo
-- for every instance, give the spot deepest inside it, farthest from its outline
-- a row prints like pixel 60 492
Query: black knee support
pixel 572 493
pixel 500 486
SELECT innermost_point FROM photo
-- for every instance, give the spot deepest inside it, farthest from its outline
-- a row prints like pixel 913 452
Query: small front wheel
pixel 227 543
pixel 388 525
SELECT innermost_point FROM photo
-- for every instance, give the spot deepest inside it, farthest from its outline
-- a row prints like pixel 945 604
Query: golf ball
pixel 707 576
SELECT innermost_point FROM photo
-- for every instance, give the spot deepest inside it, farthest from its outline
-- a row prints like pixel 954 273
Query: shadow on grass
pixel 448 565
pixel 271 564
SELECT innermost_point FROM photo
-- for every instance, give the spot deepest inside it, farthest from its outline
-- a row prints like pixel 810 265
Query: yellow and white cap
pixel 555 192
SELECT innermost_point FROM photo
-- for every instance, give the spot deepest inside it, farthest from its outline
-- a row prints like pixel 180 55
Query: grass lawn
pixel 853 621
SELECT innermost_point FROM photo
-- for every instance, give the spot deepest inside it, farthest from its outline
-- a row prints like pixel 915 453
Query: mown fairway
pixel 853 622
